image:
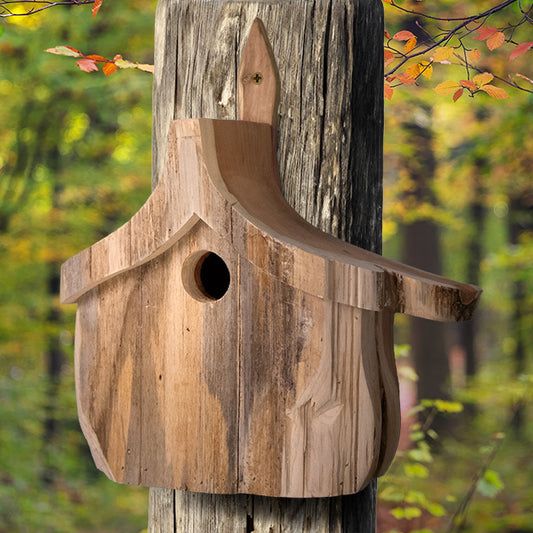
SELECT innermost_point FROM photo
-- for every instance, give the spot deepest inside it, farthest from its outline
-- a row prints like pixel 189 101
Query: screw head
pixel 257 78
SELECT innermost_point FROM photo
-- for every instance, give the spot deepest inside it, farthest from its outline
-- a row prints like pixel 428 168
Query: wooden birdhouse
pixel 225 345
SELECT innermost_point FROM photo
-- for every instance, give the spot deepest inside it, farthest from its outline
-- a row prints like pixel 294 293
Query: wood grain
pixel 329 56
pixel 343 198
pixel 285 385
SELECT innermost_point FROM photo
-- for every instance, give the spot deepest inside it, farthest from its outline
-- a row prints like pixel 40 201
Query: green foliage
pixel 74 164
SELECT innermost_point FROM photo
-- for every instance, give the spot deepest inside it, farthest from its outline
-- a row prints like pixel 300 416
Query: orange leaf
pixel 468 84
pixel 447 87
pixel 109 68
pixel 520 49
pixel 474 55
pixel 388 1
pixel 406 78
pixel 485 33
pixel 457 94
pixel 96 6
pixel 482 79
pixel 65 51
pixel 403 35
pixel 442 53
pixel 413 71
pixel 88 65
pixel 410 44
pixel 496 40
pixel 387 34
pixel 389 57
pixel 495 92
pixel 388 91
pixel 98 59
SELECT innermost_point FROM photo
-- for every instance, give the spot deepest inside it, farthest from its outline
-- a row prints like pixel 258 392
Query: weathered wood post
pixel 329 56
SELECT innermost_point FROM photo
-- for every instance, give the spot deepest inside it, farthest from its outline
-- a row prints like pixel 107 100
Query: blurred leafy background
pixel 75 164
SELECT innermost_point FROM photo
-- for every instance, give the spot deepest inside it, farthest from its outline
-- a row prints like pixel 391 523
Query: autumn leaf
pixel 426 69
pixel 109 68
pixel 410 44
pixel 520 49
pixel 474 55
pixel 96 6
pixel 482 79
pixel 388 91
pixel 65 51
pixel 387 34
pixel 442 53
pixel 406 78
pixel 457 94
pixel 122 63
pixel 96 58
pixel 144 67
pixel 485 33
pixel 389 57
pixel 87 65
pixel 496 40
pixel 495 92
pixel 447 87
pixel 413 71
pixel 404 35
pixel 468 84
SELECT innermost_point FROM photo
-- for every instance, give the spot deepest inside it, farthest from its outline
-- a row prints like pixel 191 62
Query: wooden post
pixel 330 152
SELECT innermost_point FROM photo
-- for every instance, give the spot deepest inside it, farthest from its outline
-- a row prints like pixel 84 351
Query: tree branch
pixel 34 6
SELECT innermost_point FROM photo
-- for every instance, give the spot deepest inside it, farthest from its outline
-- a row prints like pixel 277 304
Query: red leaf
pixel 96 58
pixel 485 33
pixel 96 6
pixel 458 94
pixel 109 68
pixel 389 57
pixel 520 49
pixel 404 35
pixel 496 40
pixel 468 84
pixel 388 91
pixel 88 65
pixel 406 78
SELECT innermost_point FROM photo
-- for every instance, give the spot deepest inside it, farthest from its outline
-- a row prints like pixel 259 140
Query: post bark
pixel 329 56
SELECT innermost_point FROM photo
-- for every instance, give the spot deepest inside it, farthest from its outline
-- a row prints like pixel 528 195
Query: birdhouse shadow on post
pixel 224 345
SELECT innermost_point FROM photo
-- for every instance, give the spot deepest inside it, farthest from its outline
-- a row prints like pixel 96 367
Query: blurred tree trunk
pixel 54 355
pixel 330 57
pixel 422 250
pixel 521 221
pixel 474 250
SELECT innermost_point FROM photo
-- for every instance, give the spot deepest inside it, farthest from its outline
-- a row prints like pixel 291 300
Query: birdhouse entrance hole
pixel 206 276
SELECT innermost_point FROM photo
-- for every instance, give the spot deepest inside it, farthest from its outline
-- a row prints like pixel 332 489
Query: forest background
pixel 75 152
